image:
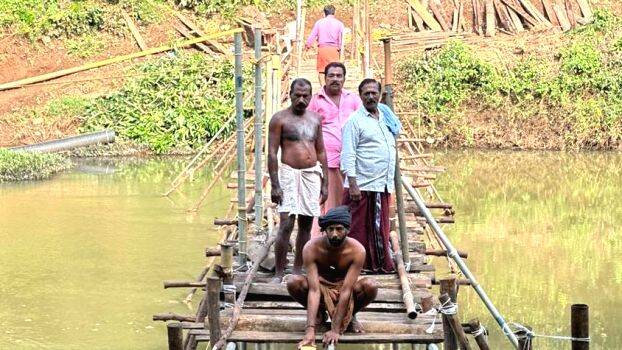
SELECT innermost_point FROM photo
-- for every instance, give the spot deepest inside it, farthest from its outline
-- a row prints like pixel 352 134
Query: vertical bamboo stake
pixel 239 112
pixel 258 132
pixel 448 286
pixel 276 85
pixel 299 44
pixel 455 325
pixel 301 34
pixel 175 336
pixel 213 308
pixel 399 197
pixel 480 336
pixel 367 65
pixel 355 29
pixel 580 326
pixel 524 339
pixel 268 102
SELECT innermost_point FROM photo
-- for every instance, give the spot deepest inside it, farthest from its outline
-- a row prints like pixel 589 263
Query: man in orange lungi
pixel 328 32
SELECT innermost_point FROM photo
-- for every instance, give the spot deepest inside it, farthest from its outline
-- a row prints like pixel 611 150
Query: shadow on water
pixel 84 254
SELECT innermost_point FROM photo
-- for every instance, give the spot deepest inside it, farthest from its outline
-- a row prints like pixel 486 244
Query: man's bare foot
pixel 277 279
pixel 355 326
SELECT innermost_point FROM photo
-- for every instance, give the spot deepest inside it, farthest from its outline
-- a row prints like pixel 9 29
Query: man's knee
pixel 297 284
pixel 368 287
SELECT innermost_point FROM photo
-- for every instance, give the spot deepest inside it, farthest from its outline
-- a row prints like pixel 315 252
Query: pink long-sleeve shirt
pixel 333 119
pixel 328 31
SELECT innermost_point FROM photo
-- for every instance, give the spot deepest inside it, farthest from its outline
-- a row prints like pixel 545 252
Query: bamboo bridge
pixel 240 306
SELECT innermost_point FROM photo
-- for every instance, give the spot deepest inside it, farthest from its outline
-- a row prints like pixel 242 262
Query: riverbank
pixel 540 92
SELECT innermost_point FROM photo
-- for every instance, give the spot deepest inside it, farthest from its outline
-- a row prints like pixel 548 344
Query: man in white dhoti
pixel 299 180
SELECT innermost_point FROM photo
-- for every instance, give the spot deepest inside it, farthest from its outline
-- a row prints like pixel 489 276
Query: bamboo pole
pixel 175 336
pixel 134 31
pixel 580 326
pixel 239 111
pixel 399 196
pixel 479 334
pixel 367 66
pixel 455 324
pixel 448 287
pixel 92 65
pixel 258 131
pixel 407 294
pixel 237 309
pixel 213 308
pixel 453 253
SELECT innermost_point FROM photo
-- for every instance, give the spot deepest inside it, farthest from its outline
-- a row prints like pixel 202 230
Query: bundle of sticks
pixel 486 17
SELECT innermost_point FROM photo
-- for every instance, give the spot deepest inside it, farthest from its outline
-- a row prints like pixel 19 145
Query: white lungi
pixel 301 190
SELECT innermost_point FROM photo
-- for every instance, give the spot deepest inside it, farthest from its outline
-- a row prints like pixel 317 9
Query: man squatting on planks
pixel 333 263
pixel 299 180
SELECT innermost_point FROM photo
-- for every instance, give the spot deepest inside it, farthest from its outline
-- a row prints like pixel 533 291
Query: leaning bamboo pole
pixel 237 309
pixel 407 294
pixel 92 65
pixel 453 253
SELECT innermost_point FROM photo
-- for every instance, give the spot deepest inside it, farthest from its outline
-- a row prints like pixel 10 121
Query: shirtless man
pixel 333 263
pixel 299 181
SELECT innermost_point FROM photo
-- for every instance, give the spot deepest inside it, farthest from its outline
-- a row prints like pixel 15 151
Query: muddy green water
pixel 82 256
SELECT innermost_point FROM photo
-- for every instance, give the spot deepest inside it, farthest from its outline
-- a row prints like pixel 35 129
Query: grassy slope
pixel 567 98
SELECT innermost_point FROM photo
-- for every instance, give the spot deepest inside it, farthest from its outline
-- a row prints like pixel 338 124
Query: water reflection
pixel 83 255
pixel 542 232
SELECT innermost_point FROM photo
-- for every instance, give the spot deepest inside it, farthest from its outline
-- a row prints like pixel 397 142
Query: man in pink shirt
pixel 334 105
pixel 328 32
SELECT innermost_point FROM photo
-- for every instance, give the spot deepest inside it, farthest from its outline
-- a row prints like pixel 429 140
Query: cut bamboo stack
pixel 489 17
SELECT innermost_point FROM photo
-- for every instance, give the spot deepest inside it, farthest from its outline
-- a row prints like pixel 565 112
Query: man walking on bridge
pixel 368 161
pixel 328 32
pixel 332 285
pixel 335 105
pixel 299 180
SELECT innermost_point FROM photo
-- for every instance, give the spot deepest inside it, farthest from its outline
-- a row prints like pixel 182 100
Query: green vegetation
pixel 229 8
pixel 86 46
pixel 63 18
pixel 17 166
pixel 174 102
pixel 576 99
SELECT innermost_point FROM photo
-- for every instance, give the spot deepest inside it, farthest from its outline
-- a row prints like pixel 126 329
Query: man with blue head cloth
pixel 333 263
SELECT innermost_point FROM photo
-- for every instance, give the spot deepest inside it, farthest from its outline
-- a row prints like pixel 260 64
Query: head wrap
pixel 335 216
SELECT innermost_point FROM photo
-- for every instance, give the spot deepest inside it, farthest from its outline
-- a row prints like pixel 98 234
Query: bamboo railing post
pixel 239 112
pixel 407 294
pixel 454 323
pixel 524 339
pixel 226 262
pixel 399 196
pixel 175 336
pixel 367 59
pixel 448 286
pixel 580 326
pixel 258 132
pixel 479 334
pixel 213 309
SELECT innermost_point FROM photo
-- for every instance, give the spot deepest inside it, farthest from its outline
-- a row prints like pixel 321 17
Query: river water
pixel 83 255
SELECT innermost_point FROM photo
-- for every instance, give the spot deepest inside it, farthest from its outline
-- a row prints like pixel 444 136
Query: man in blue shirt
pixel 368 162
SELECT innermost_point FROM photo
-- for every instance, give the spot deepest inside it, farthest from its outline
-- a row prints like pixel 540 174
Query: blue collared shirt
pixel 368 152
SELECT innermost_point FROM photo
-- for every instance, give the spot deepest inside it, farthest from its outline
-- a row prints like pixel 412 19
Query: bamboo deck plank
pixel 365 338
